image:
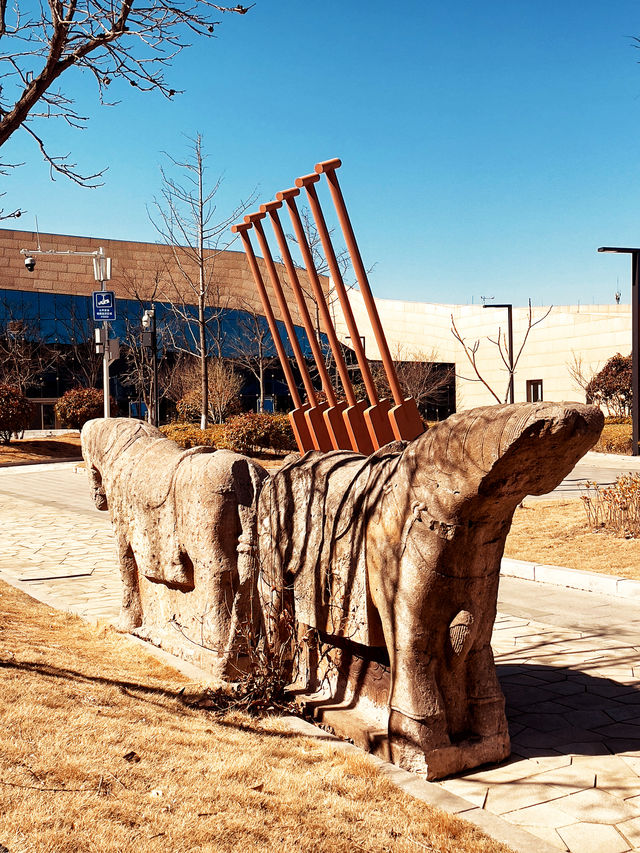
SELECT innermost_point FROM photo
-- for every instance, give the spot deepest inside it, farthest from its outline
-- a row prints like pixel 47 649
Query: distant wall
pixel 423 330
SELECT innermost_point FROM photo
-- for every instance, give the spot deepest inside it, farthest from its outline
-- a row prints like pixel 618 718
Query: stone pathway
pixel 569 664
pixel 573 701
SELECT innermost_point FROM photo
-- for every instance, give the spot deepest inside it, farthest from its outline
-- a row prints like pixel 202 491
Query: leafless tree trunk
pixel 501 344
pixel 121 40
pixel 185 221
pixel 249 347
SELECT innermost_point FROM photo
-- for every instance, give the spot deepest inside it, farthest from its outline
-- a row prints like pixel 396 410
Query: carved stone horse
pixel 185 525
pixel 395 558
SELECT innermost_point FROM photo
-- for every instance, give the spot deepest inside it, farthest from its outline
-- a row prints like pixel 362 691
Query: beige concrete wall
pixel 423 330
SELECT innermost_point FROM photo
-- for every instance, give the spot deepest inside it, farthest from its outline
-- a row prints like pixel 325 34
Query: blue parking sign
pixel 104 306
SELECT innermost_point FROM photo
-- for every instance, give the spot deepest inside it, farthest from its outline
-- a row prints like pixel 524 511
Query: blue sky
pixel 488 148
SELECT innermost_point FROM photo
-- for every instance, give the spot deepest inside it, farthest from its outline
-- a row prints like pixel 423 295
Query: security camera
pixel 30 263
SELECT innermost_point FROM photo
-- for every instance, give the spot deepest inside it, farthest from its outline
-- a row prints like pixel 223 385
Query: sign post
pixel 104 309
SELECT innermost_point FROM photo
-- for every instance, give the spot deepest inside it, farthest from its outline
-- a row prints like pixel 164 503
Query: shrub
pixel 615 437
pixel 80 405
pixel 188 435
pixel 251 432
pixel 16 412
pixel 615 508
pixel 611 387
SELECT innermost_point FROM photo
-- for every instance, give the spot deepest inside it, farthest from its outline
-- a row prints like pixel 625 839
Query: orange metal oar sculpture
pixel 377 414
pixel 351 412
pixel 315 421
pixel 297 418
pixel 404 416
pixel 331 410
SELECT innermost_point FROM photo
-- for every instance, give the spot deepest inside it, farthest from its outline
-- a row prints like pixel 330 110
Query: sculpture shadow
pixel 555 710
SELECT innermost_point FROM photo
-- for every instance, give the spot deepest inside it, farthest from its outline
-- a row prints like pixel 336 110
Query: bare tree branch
pixel 127 40
pixel 185 217
pixel 500 342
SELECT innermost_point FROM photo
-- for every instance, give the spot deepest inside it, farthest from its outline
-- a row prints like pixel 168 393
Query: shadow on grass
pixel 186 702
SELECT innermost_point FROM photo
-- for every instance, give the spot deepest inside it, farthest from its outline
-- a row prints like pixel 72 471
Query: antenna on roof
pixel 37 233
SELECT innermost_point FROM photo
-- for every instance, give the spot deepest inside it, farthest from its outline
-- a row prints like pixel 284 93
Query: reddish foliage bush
pixel 15 412
pixel 80 405
pixel 611 387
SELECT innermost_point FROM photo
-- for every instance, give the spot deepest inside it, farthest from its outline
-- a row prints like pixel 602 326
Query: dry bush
pixel 615 508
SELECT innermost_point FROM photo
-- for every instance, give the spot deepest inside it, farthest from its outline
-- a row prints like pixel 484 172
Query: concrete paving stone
pixel 583 748
pixel 620 713
pixel 543 722
pixel 525 697
pixel 517 768
pixel 566 688
pixel 473 792
pixel 625 787
pixel 610 764
pixel 595 806
pixel 541 814
pixel 587 719
pixel 549 835
pixel 630 830
pixel 591 838
pixel 558 737
pixel 571 778
pixel 508 798
pixel 629 730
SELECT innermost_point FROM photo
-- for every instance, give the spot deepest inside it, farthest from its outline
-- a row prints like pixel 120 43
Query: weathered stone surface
pixel 185 525
pixel 395 560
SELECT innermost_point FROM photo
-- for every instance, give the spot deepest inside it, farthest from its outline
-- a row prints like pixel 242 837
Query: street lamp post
pixel 635 340
pixel 149 339
pixel 509 308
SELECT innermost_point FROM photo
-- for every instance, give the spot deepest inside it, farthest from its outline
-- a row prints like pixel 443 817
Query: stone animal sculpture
pixel 185 526
pixel 393 561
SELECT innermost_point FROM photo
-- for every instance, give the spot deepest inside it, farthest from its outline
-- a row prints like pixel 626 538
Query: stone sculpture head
pixel 105 439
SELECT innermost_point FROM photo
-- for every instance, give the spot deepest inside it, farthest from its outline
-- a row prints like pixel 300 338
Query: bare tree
pixel 501 344
pixel 251 346
pixel 24 355
pixel 225 385
pixel 423 377
pixel 578 371
pixel 126 40
pixel 185 221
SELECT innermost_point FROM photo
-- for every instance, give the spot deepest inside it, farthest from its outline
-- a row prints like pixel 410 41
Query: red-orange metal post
pixel 331 410
pixel 405 418
pixel 377 415
pixel 353 414
pixel 313 415
pixel 298 422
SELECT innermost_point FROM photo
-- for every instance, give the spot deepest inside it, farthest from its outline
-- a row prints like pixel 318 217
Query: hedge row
pixel 615 438
pixel 245 433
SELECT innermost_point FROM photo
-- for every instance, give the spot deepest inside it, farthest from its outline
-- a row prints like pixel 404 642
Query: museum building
pixel 53 303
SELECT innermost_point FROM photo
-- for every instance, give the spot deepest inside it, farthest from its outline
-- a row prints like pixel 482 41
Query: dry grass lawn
pixel 27 450
pixel 556 533
pixel 99 752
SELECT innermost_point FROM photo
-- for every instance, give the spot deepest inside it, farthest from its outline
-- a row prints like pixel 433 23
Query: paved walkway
pixel 568 661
